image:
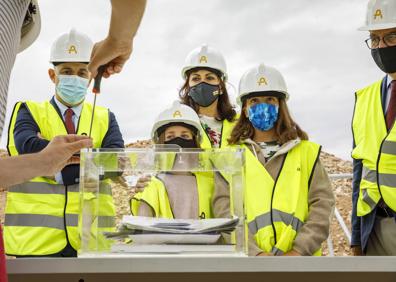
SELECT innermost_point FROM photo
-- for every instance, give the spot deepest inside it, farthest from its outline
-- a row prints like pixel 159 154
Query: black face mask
pixel 184 143
pixel 385 58
pixel 204 94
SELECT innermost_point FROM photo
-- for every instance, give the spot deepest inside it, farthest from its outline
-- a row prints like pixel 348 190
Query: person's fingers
pixel 90 189
pixel 93 65
pixel 71 138
pixel 122 181
pixel 90 185
pixel 98 60
pixel 93 68
pixel 137 190
pixel 78 145
pixel 73 160
pixel 110 69
pixel 142 184
pixel 118 68
pixel 144 179
pixel 113 69
pixel 111 53
pixel 94 73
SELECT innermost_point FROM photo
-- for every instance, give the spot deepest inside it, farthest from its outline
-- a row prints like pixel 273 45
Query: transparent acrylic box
pixel 108 177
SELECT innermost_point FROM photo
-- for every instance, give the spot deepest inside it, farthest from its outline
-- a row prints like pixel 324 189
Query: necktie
pixel 69 121
pixel 391 112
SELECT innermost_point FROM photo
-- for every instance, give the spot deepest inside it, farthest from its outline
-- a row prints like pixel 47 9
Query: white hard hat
pixel 31 26
pixel 177 113
pixel 205 57
pixel 262 78
pixel 71 47
pixel 381 14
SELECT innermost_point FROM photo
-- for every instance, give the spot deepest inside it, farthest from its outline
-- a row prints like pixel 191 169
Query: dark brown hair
pixel 224 107
pixel 286 128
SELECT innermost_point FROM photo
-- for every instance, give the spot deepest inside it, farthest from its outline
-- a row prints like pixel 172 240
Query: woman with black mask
pixel 177 192
pixel 204 90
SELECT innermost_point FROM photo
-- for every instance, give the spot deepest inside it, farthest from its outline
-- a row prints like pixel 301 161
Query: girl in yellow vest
pixel 204 90
pixel 288 195
pixel 178 194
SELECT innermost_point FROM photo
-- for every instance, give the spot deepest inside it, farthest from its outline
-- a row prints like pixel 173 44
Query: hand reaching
pixel 59 152
pixel 112 53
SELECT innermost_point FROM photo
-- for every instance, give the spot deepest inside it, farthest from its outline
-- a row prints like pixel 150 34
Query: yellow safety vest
pixel 156 196
pixel 41 215
pixel 276 210
pixel 376 148
pixel 226 130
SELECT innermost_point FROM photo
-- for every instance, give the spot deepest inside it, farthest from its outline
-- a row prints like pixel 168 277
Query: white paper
pixel 174 238
pixel 179 226
pixel 172 249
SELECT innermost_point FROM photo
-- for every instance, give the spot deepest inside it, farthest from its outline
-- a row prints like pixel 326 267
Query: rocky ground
pixel 342 189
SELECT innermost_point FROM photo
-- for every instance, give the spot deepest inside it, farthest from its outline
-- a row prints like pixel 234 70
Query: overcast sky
pixel 315 45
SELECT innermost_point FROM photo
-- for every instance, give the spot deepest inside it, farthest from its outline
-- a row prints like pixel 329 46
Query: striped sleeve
pixel 12 13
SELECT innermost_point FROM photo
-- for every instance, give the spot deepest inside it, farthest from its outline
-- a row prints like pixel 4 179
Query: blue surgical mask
pixel 263 116
pixel 72 89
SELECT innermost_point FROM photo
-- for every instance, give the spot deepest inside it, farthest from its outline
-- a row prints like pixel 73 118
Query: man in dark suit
pixel 374 150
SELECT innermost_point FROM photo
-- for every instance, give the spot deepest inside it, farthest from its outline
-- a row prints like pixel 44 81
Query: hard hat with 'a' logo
pixel 381 14
pixel 71 47
pixel 179 114
pixel 205 57
pixel 262 79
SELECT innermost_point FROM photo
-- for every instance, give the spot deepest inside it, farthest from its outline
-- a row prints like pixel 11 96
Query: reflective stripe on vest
pixel 226 130
pixel 34 192
pixel 156 196
pixel 42 203
pixel 44 220
pixel 276 210
pixel 264 220
pixel 377 150
pixel 12 151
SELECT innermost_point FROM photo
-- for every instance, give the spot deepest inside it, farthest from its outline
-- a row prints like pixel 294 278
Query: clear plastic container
pixel 107 180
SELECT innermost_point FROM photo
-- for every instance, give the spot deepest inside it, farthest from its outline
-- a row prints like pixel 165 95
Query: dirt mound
pixel 343 192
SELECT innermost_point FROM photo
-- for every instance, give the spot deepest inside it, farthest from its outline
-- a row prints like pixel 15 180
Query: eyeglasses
pixel 374 41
